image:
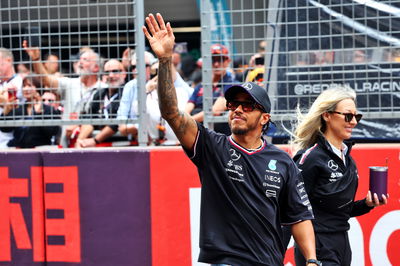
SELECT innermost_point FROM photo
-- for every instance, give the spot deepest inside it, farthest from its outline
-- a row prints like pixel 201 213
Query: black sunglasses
pixel 107 72
pixel 218 58
pixel 349 116
pixel 246 106
pixel 134 66
pixel 48 100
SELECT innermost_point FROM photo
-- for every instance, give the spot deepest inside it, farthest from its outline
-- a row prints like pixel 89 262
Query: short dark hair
pixel 34 81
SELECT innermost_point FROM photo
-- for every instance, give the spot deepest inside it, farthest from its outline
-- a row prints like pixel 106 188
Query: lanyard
pixel 107 103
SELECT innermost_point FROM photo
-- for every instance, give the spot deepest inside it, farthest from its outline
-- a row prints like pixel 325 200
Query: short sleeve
pixel 127 98
pixel 193 97
pixel 296 205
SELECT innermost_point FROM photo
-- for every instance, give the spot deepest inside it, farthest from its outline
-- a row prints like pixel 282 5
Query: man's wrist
pixel 96 140
pixel 165 58
pixel 313 262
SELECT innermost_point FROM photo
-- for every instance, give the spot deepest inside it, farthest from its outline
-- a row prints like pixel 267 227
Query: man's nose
pixel 239 108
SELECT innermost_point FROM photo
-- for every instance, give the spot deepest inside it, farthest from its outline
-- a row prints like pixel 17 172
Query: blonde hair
pixel 312 124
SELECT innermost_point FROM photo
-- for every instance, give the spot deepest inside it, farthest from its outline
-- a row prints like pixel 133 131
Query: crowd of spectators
pixel 100 89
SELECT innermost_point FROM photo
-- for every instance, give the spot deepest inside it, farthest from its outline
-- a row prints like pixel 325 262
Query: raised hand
pixel 33 52
pixel 161 36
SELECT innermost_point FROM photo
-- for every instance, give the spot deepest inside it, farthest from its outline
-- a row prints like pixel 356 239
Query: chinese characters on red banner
pixel 55 233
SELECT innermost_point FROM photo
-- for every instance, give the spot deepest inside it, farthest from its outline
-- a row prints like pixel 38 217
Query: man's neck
pixel 249 142
pixel 89 80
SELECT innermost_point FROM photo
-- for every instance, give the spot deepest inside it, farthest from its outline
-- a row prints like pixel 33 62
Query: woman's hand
pixel 374 202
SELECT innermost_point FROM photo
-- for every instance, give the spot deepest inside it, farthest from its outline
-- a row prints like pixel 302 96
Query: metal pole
pixel 205 10
pixel 272 51
pixel 141 76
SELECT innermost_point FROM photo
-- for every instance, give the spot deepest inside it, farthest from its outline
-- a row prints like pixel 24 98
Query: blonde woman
pixel 330 173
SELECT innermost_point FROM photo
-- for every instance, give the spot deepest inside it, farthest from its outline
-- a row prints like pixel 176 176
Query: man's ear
pixel 265 117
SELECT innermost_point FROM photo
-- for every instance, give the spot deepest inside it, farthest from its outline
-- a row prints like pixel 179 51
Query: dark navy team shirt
pixel 245 197
pixel 331 186
pixel 219 90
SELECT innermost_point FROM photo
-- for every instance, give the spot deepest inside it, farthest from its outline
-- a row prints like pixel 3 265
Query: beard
pixel 239 131
pixel 114 84
pixel 85 72
pixel 244 129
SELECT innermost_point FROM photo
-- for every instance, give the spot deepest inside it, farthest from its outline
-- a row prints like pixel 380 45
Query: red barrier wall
pixel 172 175
pixel 75 208
pixel 141 207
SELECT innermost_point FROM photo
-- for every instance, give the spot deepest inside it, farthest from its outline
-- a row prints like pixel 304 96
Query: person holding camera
pixel 32 109
pixel 76 93
pixel 256 70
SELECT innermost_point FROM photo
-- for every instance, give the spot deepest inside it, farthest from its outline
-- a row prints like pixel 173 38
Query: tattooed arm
pixel 162 40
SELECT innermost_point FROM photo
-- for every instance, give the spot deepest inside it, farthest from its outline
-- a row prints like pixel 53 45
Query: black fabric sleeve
pixel 360 207
pixel 194 153
pixel 297 207
pixel 308 173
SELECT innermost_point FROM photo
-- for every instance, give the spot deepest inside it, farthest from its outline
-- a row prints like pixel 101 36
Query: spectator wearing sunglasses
pixel 330 173
pixel 52 99
pixel 76 93
pixel 222 79
pixel 249 186
pixel 105 105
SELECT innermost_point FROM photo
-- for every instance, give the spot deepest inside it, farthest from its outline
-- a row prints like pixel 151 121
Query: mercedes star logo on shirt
pixel 334 166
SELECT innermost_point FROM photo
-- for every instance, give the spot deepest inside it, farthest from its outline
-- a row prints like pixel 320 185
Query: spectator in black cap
pixel 249 187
